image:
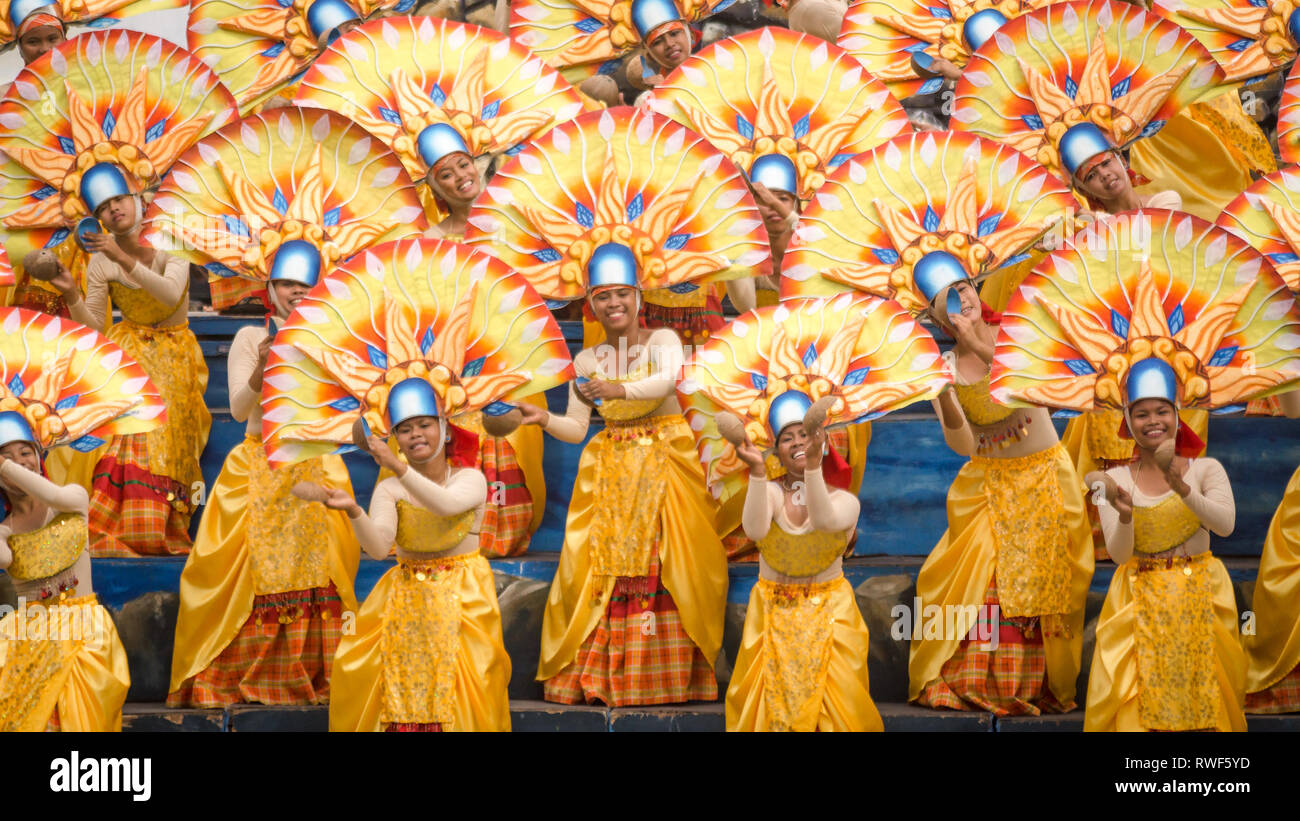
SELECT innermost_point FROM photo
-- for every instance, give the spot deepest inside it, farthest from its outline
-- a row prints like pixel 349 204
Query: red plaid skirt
pixel 134 512
pixel 638 654
pixel 1283 697
pixel 509 508
pixel 1010 680
pixel 283 654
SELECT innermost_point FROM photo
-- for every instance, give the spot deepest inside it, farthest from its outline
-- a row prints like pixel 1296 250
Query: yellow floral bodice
pixel 623 409
pixel 139 307
pixel 978 403
pixel 1163 526
pixel 423 531
pixel 41 553
pixel 801 555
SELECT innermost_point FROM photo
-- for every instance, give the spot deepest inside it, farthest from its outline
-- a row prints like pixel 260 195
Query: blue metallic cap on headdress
pixel 776 173
pixel 411 398
pixel 980 26
pixel 1081 143
pixel 1293 26
pixel 325 16
pixel 101 183
pixel 20 10
pixel 439 140
pixel 1151 379
pixel 936 271
pixel 14 428
pixel 296 261
pixel 613 265
pixel 786 409
pixel 648 15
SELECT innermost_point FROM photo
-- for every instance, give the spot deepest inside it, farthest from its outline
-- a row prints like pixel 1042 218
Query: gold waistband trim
pixel 1012 462
pixel 1185 562
pixel 786 590
pixel 646 421
pixel 428 569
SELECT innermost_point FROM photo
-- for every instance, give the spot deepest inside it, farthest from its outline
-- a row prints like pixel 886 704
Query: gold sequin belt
pixel 642 429
pixel 1144 565
pixel 148 332
pixel 815 592
pixel 429 569
pixel 61 584
pixel 988 443
pixel 1014 462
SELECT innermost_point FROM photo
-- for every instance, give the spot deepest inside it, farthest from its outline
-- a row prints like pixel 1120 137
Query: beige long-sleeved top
pixel 663 351
pixel 165 280
pixel 832 511
pixel 1210 499
pixel 465 489
pixel 245 403
pixel 57 499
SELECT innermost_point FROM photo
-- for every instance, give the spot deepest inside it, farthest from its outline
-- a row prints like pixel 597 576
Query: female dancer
pixel 62 665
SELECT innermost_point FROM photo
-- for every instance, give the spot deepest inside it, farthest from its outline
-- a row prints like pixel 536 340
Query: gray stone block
pixel 887 659
pixel 684 718
pixel 260 718
pixel 147 627
pixel 523 603
pixel 544 717
pixel 159 718
pixel 7 594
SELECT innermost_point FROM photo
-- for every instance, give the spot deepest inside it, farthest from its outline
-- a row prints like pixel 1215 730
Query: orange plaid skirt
pixel 283 654
pixel 132 511
pixel 1010 680
pixel 1283 697
pixel 509 508
pixel 638 654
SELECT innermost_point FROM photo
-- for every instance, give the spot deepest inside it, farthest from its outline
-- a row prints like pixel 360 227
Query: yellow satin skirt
pixel 1274 650
pixel 65 657
pixel 222 575
pixel 1153 620
pixel 1206 154
pixel 427 649
pixel 693 563
pixel 959 568
pixel 802 664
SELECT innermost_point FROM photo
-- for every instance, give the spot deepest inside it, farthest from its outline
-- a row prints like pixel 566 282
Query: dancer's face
pixel 792 449
pixel 1107 180
pixel 24 454
pixel 671 48
pixel 419 438
pixel 615 308
pixel 287 295
pixel 456 180
pixel 37 42
pixel 1152 422
pixel 118 214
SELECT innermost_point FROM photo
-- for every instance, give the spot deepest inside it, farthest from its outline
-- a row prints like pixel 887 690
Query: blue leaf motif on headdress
pixel 278 200
pixel 1032 121
pixel 801 127
pixel 490 110
pixel 744 127
pixel 426 341
pixel 609 67
pixel 1280 258
pixel 1066 414
pixel 931 219
pixel 677 241
pixel 57 237
pixel 274 50
pixel 103 23
pixel 886 256
pixel 377 357
pixel 856 377
pixel 589 25
pixel 437 94
pixel 759 381
pixel 1176 321
pixel 1223 357
pixel 67 402
pixel 86 444
pixel 330 217
pixel 939 12
pixel 155 131
pixel 915 47
pixel 988 225
pixel 347 403
pixel 1080 367
pixel 1121 88
pixel 67 146
pixel 1118 324
pixel 498 408
pixel 1227 409
pixel 390 116
pixel 684 288
pixel 235 225
pixel 547 255
pixel 514 149
pixel 635 207
pixel 838 160
pixel 404 6
pixel 583 215
pixel 1152 127
pixel 1240 45
pixel 219 269
pixel 810 355
pixel 1071 87
pixel 930 86
pixel 47 191
pixel 16 386
pixel 474 368
pixel 108 123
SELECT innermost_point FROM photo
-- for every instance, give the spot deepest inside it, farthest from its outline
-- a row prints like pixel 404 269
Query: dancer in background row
pixel 62 665
pixel 265 588
pixel 1186 326
pixel 415 334
pixel 803 658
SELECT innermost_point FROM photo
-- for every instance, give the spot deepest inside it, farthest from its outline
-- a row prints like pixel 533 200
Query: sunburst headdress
pixel 17 16
pixel 1247 38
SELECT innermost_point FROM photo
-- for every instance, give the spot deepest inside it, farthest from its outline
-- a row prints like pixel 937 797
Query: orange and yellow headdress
pixel 885 34
pixel 1247 38
pixel 1151 299
pixel 1067 81
pixel 786 108
pixel 258 46
pixel 430 87
pixel 414 321
pixel 770 365
pixel 583 38
pixel 62 383
pixel 302 180
pixel 917 214
pixel 1288 118
pixel 118 108
pixel 1267 215
pixel 17 16
pixel 620 190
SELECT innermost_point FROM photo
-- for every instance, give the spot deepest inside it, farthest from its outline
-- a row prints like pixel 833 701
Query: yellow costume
pixel 1273 677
